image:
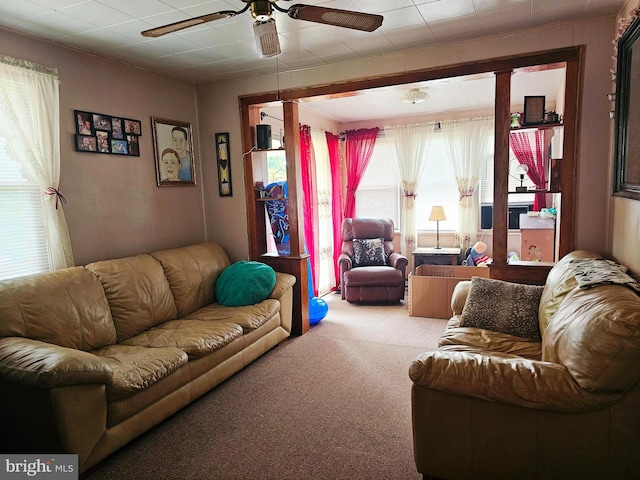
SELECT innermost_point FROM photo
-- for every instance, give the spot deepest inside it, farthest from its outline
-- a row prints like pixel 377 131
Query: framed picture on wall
pixel 224 165
pixel 173 152
pixel 100 133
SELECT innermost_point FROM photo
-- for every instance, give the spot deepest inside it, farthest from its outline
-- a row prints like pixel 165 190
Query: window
pixel 379 192
pixel 29 159
pixel 380 195
pixel 22 236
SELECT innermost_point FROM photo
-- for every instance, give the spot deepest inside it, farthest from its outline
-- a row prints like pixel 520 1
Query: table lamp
pixel 522 169
pixel 437 214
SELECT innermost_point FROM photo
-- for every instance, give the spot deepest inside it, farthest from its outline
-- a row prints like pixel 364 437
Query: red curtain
pixel 309 201
pixel 529 150
pixel 358 151
pixel 333 143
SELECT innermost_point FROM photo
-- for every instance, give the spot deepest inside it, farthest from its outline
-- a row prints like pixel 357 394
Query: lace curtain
pixel 411 143
pixel 333 146
pixel 467 142
pixel 324 233
pixel 30 122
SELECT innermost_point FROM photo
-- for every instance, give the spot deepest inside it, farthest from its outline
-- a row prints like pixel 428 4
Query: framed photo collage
pixel 99 133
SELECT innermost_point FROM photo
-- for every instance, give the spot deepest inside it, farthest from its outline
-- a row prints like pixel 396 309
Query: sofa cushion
pixel 368 251
pixel 195 337
pixel 503 307
pixel 136 368
pixel 560 281
pixel 245 283
pixel 192 272
pixel 138 293
pixel 249 317
pixel 595 334
pixel 65 307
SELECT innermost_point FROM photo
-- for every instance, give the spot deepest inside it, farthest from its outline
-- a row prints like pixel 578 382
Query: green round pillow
pixel 245 283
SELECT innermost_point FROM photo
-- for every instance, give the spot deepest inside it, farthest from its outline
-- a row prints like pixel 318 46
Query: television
pixel 513 221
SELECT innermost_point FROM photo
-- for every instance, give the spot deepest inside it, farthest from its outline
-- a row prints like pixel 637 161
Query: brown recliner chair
pixel 370 271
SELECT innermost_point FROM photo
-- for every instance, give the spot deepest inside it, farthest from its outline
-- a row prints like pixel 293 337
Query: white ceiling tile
pixel 505 20
pixel 438 11
pixel 402 18
pixel 373 43
pixel 456 28
pixel 382 6
pixel 138 8
pixel 24 9
pixel 410 37
pixel 54 25
pixel 96 13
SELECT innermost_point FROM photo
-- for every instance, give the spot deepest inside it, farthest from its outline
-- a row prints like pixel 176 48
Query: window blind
pixel 22 236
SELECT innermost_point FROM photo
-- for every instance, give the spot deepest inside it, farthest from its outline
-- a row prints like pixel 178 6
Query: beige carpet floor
pixel 334 403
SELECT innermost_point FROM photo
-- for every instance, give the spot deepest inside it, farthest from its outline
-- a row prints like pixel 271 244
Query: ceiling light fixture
pixel 414 96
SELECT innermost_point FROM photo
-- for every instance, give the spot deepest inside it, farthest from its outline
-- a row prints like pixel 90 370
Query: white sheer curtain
pixel 411 143
pixel 31 125
pixel 325 218
pixel 468 143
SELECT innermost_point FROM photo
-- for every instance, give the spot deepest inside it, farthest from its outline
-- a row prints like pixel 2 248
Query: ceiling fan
pixel 264 27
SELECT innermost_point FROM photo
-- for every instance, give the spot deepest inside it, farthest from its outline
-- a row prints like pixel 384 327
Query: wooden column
pixel 501 168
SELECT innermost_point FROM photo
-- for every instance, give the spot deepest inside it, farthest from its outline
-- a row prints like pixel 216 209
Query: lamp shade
pixel 437 213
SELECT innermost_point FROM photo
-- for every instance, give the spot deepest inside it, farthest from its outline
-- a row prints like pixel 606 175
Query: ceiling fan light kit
pixel 265 27
pixel 266 38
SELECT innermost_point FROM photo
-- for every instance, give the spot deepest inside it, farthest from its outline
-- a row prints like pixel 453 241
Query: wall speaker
pixel 263 134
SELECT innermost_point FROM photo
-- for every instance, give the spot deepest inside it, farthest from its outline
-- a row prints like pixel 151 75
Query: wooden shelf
pixel 538 126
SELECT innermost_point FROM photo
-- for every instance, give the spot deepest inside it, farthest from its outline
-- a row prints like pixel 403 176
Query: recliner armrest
pixel 345 262
pixel 399 261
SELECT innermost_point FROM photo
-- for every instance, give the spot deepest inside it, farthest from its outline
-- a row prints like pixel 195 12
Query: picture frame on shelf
pixel 225 188
pixel 534 109
pixel 173 152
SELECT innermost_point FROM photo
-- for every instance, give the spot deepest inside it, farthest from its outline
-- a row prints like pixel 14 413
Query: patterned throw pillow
pixel 368 251
pixel 503 307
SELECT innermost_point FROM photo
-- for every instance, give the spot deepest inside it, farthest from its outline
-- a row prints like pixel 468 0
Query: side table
pixel 435 256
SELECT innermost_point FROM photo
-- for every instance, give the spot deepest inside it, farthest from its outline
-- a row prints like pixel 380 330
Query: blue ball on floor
pixel 318 309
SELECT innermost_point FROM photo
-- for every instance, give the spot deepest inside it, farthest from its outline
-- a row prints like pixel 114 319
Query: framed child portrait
pixel 173 152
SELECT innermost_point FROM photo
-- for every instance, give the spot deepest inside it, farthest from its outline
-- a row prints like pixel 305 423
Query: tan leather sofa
pixel 487 405
pixel 91 357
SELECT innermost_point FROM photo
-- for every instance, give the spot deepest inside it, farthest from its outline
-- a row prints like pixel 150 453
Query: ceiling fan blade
pixel 366 22
pixel 174 27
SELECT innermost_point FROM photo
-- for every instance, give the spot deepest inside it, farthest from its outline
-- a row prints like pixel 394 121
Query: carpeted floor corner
pixel 334 403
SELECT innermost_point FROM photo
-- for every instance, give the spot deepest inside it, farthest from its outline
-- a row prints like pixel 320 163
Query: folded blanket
pixel 592 272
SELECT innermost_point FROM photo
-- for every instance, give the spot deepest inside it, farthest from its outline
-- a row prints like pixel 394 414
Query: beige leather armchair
pixel 370 270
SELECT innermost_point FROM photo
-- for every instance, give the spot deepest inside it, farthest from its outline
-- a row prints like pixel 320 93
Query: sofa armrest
pixel 459 296
pixel 505 378
pixel 39 364
pixel 284 282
